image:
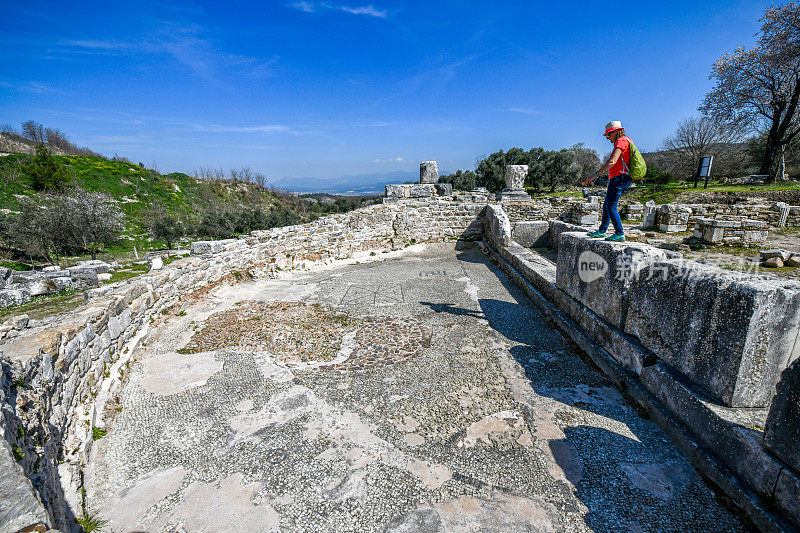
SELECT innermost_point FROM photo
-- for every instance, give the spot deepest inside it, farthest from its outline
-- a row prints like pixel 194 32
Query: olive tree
pixel 42 228
pixel 165 227
pixel 759 87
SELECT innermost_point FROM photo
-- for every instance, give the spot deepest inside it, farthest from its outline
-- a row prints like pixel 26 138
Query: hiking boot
pixel 616 238
pixel 596 234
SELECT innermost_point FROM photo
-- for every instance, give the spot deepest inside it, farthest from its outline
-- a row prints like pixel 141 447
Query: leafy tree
pixel 759 88
pixel 281 216
pixel 657 176
pixel 217 224
pixel 546 169
pixel 557 168
pixel 41 229
pixel 586 160
pixel 45 171
pixel 461 180
pixel 248 220
pixel 165 227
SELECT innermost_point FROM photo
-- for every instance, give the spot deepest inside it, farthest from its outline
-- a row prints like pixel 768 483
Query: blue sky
pixel 326 88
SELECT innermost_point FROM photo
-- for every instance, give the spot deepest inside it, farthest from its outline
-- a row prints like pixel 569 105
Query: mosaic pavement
pixel 422 393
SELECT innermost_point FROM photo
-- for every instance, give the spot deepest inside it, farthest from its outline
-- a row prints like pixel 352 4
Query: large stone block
pixel 397 191
pixel 13 296
pixel 787 495
pixel 206 247
pixel 428 172
pixel 730 333
pixel 40 286
pixel 531 234
pixel 672 218
pixel 95 264
pixel 514 195
pixel 497 226
pixel 515 176
pixel 84 278
pixel 20 507
pixel 727 431
pixel 782 430
pixel 421 190
pixel 5 276
pixel 649 214
pixel 599 273
pixel 444 189
pixel 557 227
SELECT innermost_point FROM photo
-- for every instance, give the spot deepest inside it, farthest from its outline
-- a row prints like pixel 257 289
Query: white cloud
pixel 100 44
pixel 30 87
pixel 390 160
pixel 190 45
pixel 524 111
pixel 216 128
pixel 363 10
pixel 310 7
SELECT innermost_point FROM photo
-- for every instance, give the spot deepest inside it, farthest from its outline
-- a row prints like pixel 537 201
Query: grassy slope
pixel 138 190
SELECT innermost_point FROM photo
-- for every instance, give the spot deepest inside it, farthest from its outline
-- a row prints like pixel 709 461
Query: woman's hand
pixel 588 180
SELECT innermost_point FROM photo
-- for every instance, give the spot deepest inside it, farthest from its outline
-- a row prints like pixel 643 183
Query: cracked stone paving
pixel 417 393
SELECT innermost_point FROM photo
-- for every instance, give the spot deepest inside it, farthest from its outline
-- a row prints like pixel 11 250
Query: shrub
pixel 461 180
pixel 656 176
pixel 281 216
pixel 45 172
pixel 217 224
pixel 165 227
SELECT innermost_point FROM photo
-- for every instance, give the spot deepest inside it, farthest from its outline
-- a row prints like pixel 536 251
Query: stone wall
pixel 730 333
pixel 732 337
pixel 57 373
pixel 497 226
pixel 746 232
pixel 689 343
pixel 18 287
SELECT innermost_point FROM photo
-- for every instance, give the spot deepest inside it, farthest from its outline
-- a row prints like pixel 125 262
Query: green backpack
pixel 638 168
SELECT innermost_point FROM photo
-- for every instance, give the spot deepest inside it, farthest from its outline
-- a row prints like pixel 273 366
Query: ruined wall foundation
pixel 711 355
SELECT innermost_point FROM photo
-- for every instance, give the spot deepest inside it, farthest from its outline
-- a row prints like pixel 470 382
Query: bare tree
pixel 697 137
pixel 33 131
pixel 57 139
pixel 260 179
pixel 759 88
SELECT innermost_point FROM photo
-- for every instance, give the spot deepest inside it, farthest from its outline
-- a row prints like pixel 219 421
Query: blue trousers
pixel 616 186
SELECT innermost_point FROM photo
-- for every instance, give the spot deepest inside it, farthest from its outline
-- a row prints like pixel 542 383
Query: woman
pixel 619 180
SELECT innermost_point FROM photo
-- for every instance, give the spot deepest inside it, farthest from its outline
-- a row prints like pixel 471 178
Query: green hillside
pixel 138 191
pixel 202 208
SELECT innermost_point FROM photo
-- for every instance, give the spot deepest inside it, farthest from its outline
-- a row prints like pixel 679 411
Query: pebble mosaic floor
pixel 418 394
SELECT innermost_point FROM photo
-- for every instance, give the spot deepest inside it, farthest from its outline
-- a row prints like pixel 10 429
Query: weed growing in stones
pixel 98 433
pixel 19 455
pixel 91 522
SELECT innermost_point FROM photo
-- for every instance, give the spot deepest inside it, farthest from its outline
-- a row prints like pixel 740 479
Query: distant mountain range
pixel 360 184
